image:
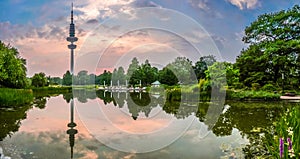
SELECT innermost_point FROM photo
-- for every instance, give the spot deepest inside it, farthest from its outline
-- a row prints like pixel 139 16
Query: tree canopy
pixel 273 53
pixel 39 80
pixel 12 67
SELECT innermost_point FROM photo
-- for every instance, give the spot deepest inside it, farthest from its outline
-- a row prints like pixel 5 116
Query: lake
pixel 92 124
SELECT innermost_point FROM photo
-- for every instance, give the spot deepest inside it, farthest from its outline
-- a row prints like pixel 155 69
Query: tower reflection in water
pixel 72 131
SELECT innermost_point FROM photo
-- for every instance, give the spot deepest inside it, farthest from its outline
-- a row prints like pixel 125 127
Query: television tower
pixel 71 132
pixel 72 39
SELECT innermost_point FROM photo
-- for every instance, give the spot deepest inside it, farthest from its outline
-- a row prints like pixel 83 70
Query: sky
pixel 112 32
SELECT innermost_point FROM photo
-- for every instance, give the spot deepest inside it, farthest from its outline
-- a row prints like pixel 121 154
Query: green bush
pixel 238 85
pixel 251 95
pixel 268 87
pixel 255 86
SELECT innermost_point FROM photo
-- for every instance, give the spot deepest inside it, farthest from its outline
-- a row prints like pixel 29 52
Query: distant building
pixel 155 84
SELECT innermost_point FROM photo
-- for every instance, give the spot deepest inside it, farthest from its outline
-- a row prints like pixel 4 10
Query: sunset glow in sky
pixel 38 29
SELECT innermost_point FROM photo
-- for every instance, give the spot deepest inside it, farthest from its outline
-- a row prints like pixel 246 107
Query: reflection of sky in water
pixel 43 134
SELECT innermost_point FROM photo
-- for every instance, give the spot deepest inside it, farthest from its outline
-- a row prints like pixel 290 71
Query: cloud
pixel 206 7
pixel 202 4
pixel 245 4
pixel 91 9
pixel 92 21
pixel 144 3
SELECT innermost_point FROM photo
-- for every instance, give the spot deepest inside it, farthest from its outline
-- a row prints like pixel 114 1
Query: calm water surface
pixel 117 125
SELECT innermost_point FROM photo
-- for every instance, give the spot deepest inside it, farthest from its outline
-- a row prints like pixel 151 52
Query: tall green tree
pixel 167 76
pixel 216 73
pixel 274 49
pixel 202 65
pixel 118 76
pixel 149 74
pixel 104 78
pixel 82 78
pixel 39 80
pixel 121 76
pixel 12 67
pixel 132 74
pixel 67 79
pixel 183 69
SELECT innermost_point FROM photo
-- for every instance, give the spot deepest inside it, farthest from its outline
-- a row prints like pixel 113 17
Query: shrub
pixel 268 87
pixel 255 86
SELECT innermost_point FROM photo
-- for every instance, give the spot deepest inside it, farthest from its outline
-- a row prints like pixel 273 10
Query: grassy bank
pixel 194 93
pixel 15 97
pixel 50 91
pixel 251 95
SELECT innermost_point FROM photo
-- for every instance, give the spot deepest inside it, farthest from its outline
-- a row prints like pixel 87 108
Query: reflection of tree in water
pixel 40 102
pixel 119 98
pixel 246 119
pixel 202 110
pixel 140 99
pixel 10 120
pixel 82 95
pixel 244 116
pixel 107 97
pixel 140 102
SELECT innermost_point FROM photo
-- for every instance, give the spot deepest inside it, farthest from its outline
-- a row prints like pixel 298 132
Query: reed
pixel 15 97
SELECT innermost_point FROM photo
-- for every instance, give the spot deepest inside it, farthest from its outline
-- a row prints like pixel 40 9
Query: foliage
pixel 104 78
pixel 83 78
pixel 131 69
pixel 39 92
pixel 269 87
pixel 202 65
pixel 282 139
pixel 274 49
pixel 15 97
pixel 255 86
pixel 217 75
pixel 251 95
pixel 145 74
pixel 118 76
pixel 67 79
pixel 167 76
pixel 39 80
pixel 55 81
pixel 12 67
pixel 232 74
pixel 183 69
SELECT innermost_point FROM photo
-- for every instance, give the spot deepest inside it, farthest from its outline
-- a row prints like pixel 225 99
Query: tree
pixel 67 79
pixel 183 69
pixel 166 76
pixel 105 77
pixel 271 27
pixel 232 74
pixel 12 67
pixel 144 73
pixel 55 80
pixel 274 48
pixel 252 65
pixel 202 65
pixel 39 80
pixel 121 76
pixel 131 69
pixel 216 73
pixel 82 78
pixel 118 76
pixel 148 73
